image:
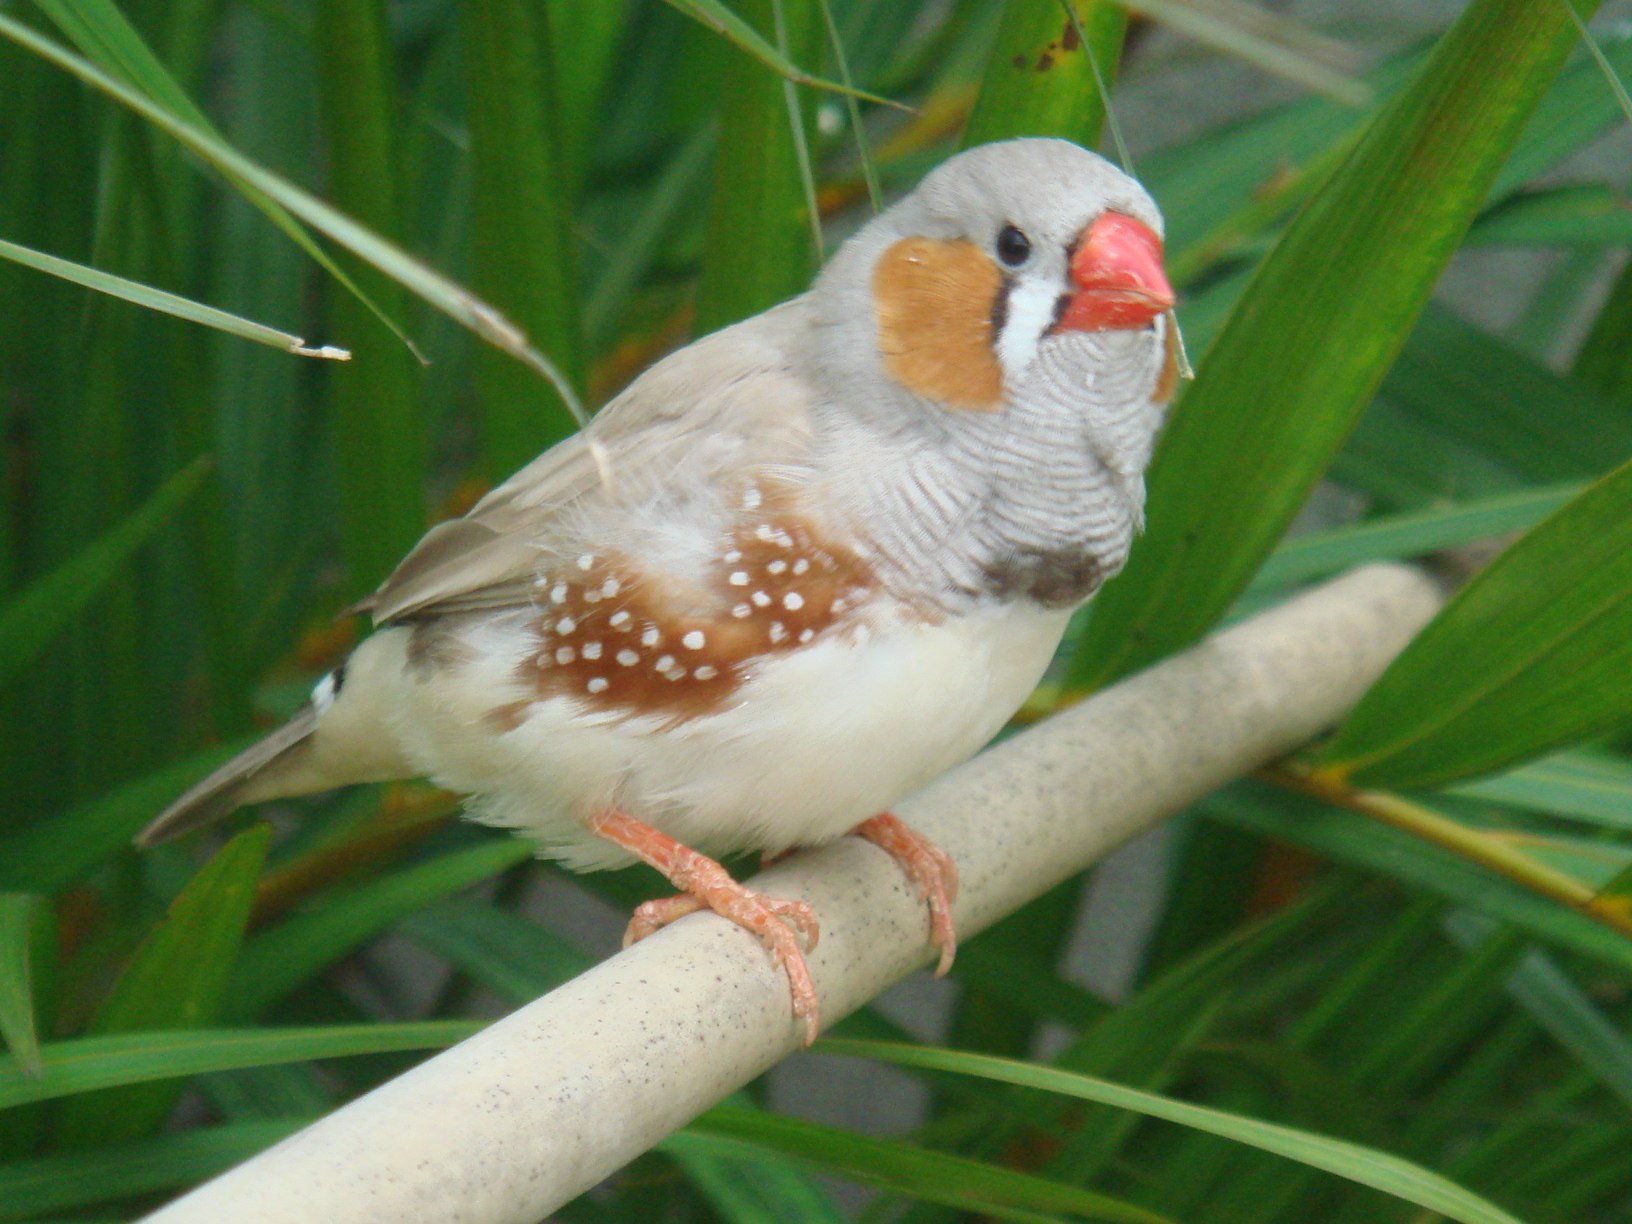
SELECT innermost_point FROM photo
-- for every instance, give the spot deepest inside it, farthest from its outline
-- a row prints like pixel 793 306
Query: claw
pixel 930 868
pixel 779 923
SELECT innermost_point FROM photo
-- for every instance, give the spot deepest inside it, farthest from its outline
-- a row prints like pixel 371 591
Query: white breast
pixel 815 742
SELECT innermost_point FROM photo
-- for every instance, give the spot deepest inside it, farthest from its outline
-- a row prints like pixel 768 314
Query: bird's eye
pixel 1013 247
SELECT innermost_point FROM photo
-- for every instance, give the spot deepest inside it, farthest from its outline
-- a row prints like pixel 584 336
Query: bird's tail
pixel 340 736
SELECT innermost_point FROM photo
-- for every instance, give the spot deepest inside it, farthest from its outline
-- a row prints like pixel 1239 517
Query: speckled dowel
pixel 540 1106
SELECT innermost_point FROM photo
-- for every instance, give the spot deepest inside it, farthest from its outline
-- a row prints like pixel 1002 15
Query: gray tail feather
pixel 223 791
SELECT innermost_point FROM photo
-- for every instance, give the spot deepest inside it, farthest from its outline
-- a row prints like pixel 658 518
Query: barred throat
pixel 1040 501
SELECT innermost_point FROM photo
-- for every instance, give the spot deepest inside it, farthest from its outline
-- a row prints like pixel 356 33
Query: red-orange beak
pixel 1118 272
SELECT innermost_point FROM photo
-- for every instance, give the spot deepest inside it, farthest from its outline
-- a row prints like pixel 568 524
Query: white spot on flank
pixel 761 600
pixel 784 539
pixel 732 557
pixel 738 578
pixel 597 684
pixel 592 596
pixel 751 500
pixel 805 635
pixel 741 610
pixel 650 636
pixel 664 663
pixel 694 640
pixel 801 566
pixel 565 655
pixel 610 587
pixel 777 567
pixel 558 593
pixel 619 619
pixel 793 601
pixel 565 625
pixel 705 672
pixel 764 532
pixel 592 650
pixel 628 658
pixel 585 561
pixel 778 631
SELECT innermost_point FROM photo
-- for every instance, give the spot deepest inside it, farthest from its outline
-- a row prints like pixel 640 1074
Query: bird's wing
pixel 726 404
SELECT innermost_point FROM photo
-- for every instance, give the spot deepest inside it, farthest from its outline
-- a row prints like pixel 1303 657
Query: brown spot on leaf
pixel 1020 63
pixel 933 303
pixel 1068 36
pixel 1045 61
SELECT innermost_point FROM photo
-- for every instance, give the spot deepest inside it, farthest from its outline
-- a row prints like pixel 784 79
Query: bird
pixel 793 572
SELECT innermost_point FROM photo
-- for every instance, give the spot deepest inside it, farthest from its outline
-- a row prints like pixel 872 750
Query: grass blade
pixel 86 1064
pixel 955 1181
pixel 458 304
pixel 1367 1166
pixel 1317 329
pixel 1415 534
pixel 34 617
pixel 176 980
pixel 167 303
pixel 1264 39
pixel 19 920
pixel 1531 655
pixel 742 32
pixel 760 250
pixel 105 36
pixel 523 239
pixel 79 1179
pixel 380 449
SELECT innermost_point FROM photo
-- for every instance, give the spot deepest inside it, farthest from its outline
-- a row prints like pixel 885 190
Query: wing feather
pixel 730 402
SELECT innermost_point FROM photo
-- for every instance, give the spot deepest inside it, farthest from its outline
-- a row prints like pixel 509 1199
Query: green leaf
pixel 723 21
pixel 1349 838
pixel 523 227
pixel 19 923
pixel 86 1064
pixel 79 1179
pixel 47 855
pixel 166 303
pixel 1533 654
pixel 890 1164
pixel 1041 79
pixel 1264 39
pixel 1595 787
pixel 1416 534
pixel 759 220
pixel 1317 329
pixel 1367 1166
pixel 277 960
pixel 176 980
pixel 106 37
pixel 518 959
pixel 458 304
pixel 380 448
pixel 1582 214
pixel 30 620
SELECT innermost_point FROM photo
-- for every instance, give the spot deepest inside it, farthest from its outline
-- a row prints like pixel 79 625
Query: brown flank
pixel 622 641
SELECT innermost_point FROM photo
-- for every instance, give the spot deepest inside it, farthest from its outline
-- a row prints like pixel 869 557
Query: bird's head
pixel 1001 254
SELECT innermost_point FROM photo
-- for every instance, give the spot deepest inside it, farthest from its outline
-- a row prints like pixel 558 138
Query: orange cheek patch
pixel 933 304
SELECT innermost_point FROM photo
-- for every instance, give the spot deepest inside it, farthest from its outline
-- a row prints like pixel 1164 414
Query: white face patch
pixel 323 693
pixel 1031 312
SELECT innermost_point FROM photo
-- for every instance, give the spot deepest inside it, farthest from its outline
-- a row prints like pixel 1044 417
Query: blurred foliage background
pixel 1415 938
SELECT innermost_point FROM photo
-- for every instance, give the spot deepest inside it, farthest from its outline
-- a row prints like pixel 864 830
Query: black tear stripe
pixel 1000 309
pixel 1061 305
pixel 338 675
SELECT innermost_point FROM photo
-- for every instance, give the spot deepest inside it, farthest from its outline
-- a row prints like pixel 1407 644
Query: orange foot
pixel 704 883
pixel 927 866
